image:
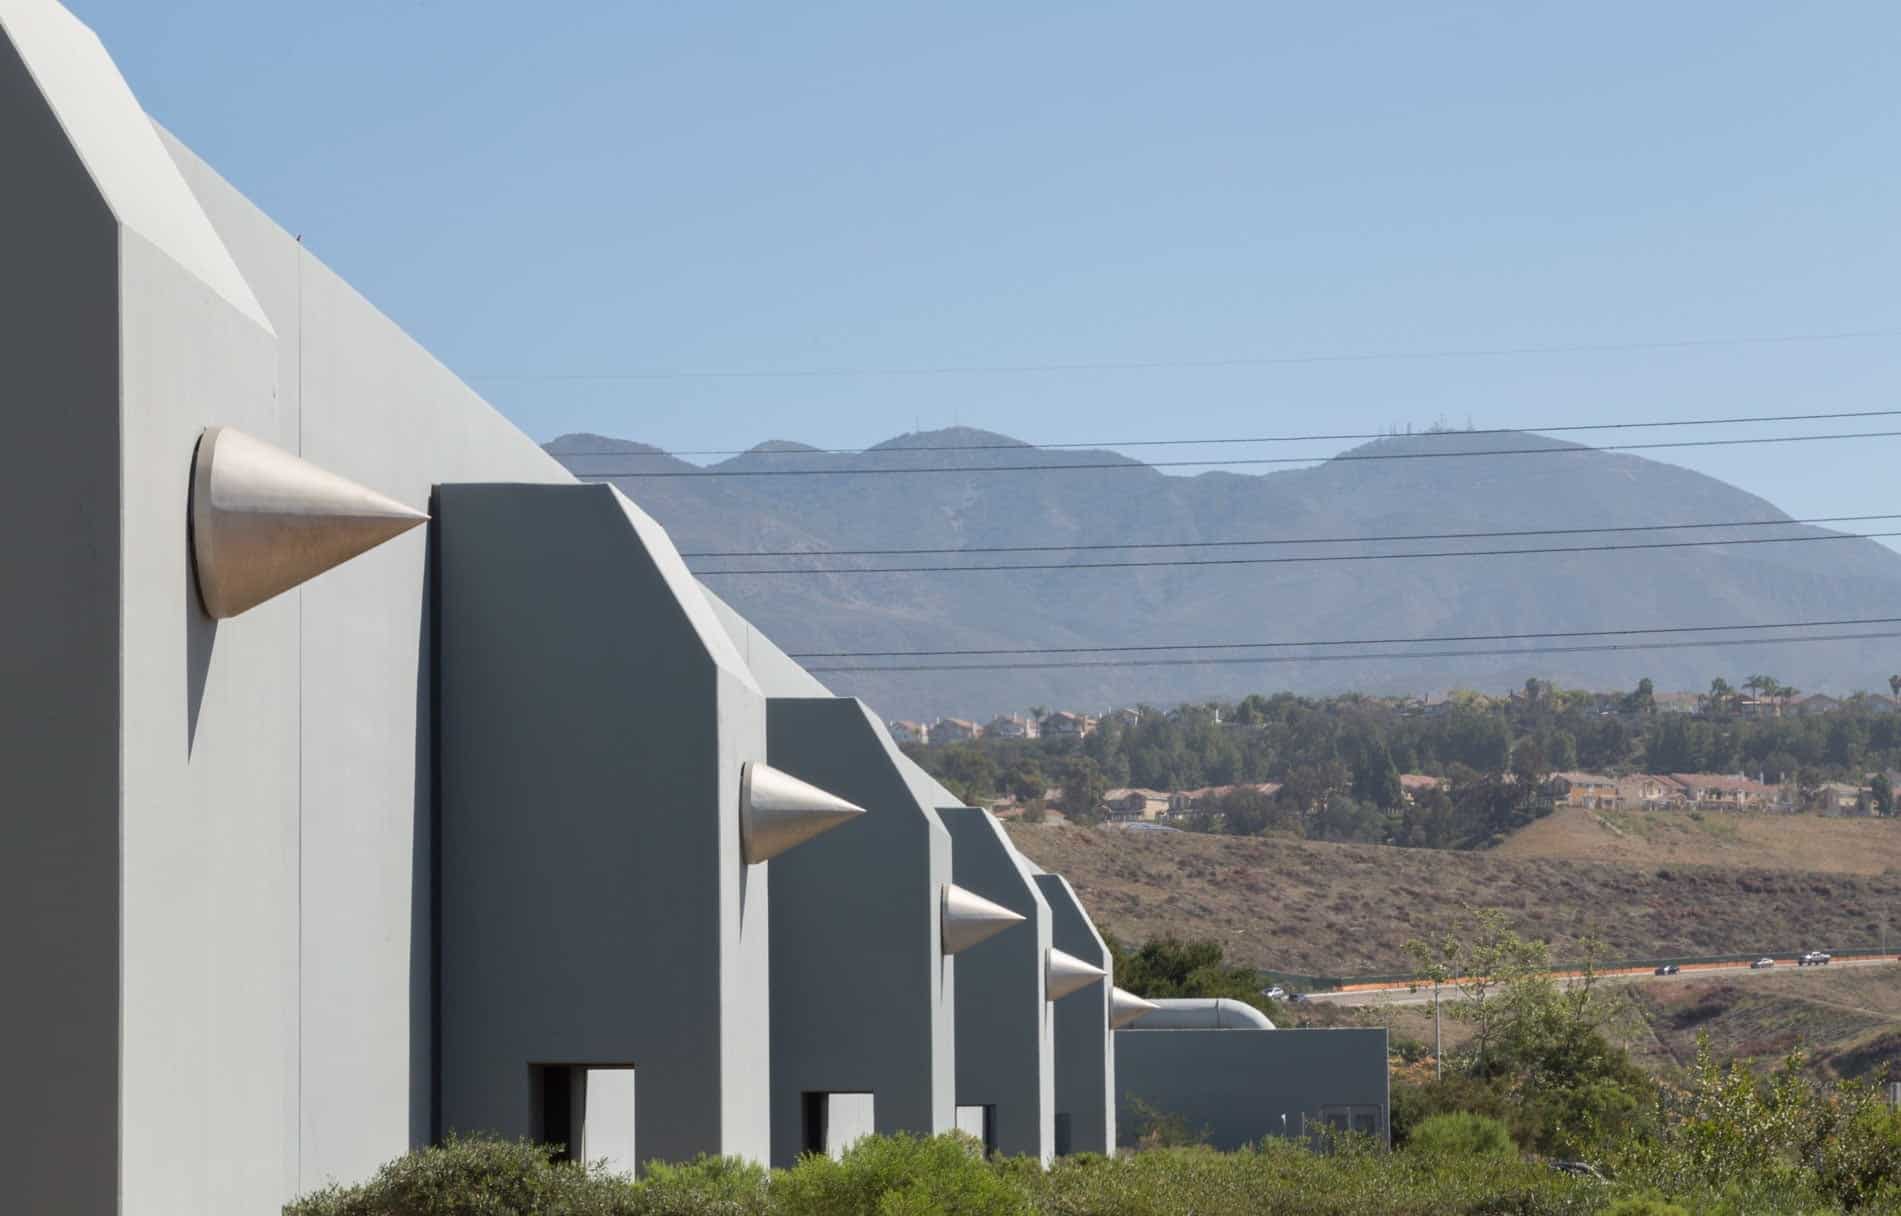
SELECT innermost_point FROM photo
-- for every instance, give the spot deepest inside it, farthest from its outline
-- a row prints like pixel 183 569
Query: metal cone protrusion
pixel 778 811
pixel 264 521
pixel 969 918
pixel 1066 973
pixel 1126 1007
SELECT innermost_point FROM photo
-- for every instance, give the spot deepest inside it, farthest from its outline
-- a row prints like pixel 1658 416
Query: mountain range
pixel 1077 501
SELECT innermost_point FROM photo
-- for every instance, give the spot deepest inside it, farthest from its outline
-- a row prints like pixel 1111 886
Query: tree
pixel 1171 967
pixel 1643 700
pixel 1881 794
pixel 1894 687
pixel 1026 781
pixel 1720 696
pixel 1083 788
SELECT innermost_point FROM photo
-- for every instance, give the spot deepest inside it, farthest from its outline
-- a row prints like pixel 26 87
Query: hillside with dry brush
pixel 1339 909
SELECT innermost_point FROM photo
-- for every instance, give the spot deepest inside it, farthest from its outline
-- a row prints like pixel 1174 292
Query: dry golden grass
pixel 1848 1022
pixel 1328 909
pixel 1770 842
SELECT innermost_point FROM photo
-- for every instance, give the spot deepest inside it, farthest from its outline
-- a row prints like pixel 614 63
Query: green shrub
pixel 900 1176
pixel 1644 1205
pixel 477 1177
pixel 1461 1134
pixel 709 1186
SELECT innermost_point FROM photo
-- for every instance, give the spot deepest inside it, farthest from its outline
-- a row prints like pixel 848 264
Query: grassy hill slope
pixel 1778 842
pixel 1847 1022
pixel 1331 909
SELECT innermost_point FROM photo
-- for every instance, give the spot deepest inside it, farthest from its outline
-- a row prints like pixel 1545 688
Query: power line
pixel 1129 465
pixel 1434 640
pixel 1230 441
pixel 1357 657
pixel 1290 540
pixel 1327 557
pixel 1579 348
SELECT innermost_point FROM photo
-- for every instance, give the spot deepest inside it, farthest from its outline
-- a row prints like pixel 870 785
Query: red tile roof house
pixel 955 730
pixel 1642 791
pixel 909 732
pixel 1593 790
pixel 1722 792
pixel 1063 724
pixel 1011 726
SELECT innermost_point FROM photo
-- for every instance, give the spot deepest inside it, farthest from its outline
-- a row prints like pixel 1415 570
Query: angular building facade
pixel 371 779
pixel 601 749
pixel 863 995
pixel 1085 1055
pixel 1006 1048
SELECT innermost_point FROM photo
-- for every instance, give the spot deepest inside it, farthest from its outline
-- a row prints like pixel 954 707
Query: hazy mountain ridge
pixel 1300 601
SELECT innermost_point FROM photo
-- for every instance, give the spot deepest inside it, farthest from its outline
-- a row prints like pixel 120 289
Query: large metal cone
pixel 1066 974
pixel 969 918
pixel 1125 1007
pixel 264 521
pixel 778 811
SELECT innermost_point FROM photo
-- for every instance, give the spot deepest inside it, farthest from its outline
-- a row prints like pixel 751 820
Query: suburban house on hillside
pixel 1838 798
pixel 1812 704
pixel 1722 792
pixel 955 730
pixel 1183 801
pixel 1411 785
pixel 1066 725
pixel 1012 726
pixel 1146 806
pixel 1592 790
pixel 1642 791
pixel 1126 716
pixel 909 732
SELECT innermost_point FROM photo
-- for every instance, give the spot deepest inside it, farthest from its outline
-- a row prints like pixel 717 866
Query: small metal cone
pixel 786 812
pixel 1068 974
pixel 969 918
pixel 1126 1007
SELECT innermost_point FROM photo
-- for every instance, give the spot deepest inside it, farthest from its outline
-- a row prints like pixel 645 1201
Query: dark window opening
pixel 558 1091
pixel 812 1122
pixel 1063 1148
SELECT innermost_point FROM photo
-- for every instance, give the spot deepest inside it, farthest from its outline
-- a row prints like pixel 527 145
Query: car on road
pixel 1814 958
pixel 1276 993
pixel 1762 964
pixel 1668 969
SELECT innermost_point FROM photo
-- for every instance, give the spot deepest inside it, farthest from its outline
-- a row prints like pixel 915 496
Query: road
pixel 1406 996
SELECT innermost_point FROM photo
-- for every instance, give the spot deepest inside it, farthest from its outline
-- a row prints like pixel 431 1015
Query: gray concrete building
pixel 1234 1087
pixel 863 995
pixel 600 743
pixel 1085 1054
pixel 1006 1055
pixel 370 778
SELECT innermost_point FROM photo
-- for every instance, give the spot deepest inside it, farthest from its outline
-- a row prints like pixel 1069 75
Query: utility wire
pixel 1230 441
pixel 1130 465
pixel 1328 557
pixel 1290 540
pixel 1433 640
pixel 1357 657
pixel 1580 348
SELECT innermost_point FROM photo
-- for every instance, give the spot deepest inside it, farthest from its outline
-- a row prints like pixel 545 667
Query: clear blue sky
pixel 568 189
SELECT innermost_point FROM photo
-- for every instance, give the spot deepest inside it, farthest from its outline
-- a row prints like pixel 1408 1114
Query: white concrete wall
pixel 340 672
pixel 268 817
